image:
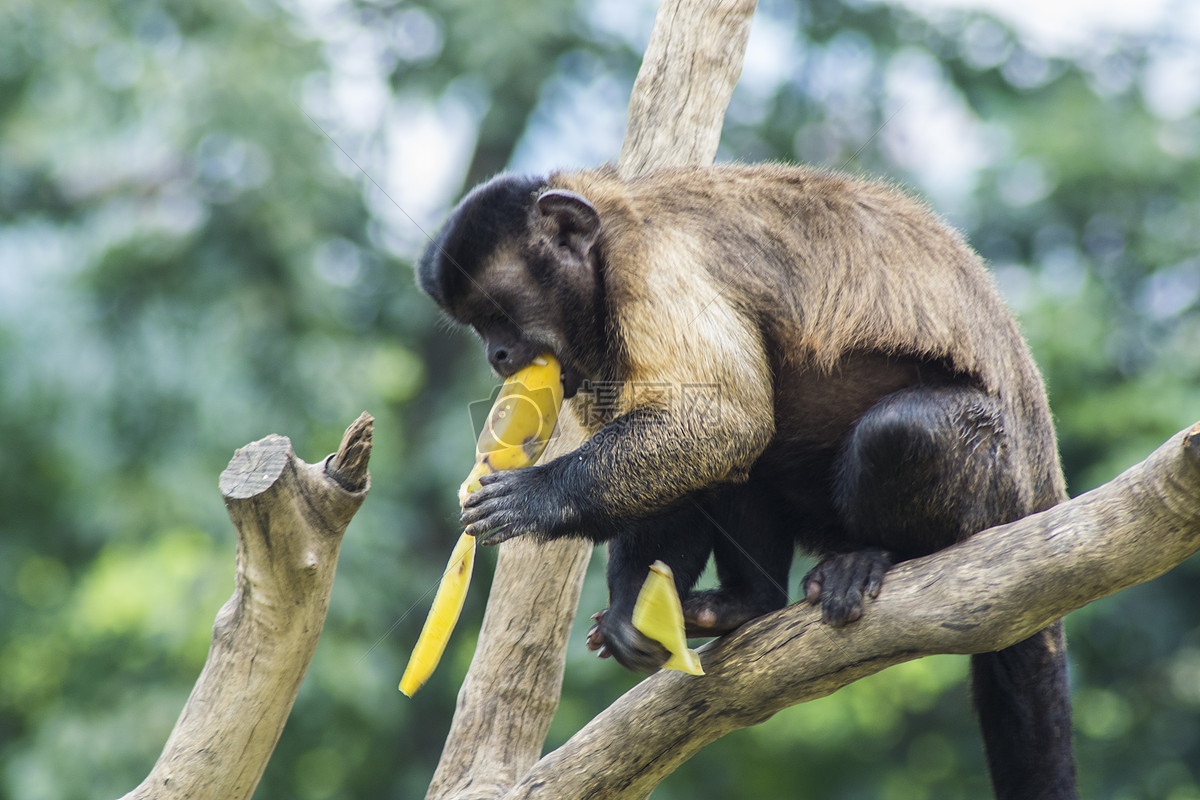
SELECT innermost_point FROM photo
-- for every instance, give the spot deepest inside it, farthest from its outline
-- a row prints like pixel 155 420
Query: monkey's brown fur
pixel 765 356
pixel 858 269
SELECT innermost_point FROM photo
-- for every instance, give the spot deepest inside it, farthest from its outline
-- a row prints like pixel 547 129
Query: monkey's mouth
pixel 571 380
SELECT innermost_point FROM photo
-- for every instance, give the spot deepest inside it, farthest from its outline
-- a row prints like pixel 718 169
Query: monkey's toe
pixel 714 612
pixel 841 584
pixel 595 639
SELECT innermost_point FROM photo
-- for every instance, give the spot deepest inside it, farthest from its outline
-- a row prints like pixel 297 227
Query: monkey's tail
pixel 1024 707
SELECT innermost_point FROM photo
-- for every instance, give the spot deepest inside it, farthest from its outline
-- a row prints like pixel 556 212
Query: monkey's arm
pixel 635 466
pixel 701 420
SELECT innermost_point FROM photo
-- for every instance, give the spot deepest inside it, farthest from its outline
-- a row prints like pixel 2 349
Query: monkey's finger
pixel 470 516
pixel 490 536
pixel 812 590
pixel 494 523
pixel 489 508
pixel 841 602
pixel 493 477
pixel 482 495
pixel 839 614
pixel 595 639
pixel 501 528
pixel 875 581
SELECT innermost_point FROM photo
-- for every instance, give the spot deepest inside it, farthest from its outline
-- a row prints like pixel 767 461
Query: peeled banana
pixel 514 435
pixel 658 614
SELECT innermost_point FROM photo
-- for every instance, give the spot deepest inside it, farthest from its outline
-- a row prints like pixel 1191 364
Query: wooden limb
pixel 290 517
pixel 511 691
pixel 692 63
pixel 991 591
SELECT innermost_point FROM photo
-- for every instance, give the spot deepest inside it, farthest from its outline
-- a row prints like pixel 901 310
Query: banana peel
pixel 658 614
pixel 514 435
pixel 443 615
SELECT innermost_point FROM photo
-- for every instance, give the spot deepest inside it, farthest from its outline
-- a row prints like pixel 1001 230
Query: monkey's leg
pixel 924 468
pixel 929 466
pixel 678 538
pixel 753 550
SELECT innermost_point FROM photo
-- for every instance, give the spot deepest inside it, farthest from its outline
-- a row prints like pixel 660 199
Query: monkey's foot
pixel 714 612
pixel 615 637
pixel 841 583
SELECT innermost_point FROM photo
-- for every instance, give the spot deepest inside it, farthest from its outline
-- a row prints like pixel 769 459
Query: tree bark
pixel 512 687
pixel 511 690
pixel 991 591
pixel 692 63
pixel 290 517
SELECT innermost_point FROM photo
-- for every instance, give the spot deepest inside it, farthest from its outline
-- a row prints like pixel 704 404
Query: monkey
pixel 764 357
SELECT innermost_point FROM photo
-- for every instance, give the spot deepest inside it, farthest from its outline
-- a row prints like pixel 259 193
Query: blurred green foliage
pixel 192 256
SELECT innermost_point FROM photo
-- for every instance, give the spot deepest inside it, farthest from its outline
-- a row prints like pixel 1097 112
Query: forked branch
pixel 290 517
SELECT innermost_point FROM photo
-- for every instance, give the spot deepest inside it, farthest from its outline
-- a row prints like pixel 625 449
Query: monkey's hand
pixel 517 502
pixel 615 637
pixel 841 583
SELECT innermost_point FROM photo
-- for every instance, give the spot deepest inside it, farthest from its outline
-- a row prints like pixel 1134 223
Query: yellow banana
pixel 520 422
pixel 514 435
pixel 443 614
pixel 659 615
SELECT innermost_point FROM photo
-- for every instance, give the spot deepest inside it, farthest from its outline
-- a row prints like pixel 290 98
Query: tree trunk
pixel 511 691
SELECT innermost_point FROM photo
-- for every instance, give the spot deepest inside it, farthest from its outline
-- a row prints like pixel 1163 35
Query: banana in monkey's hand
pixel 520 422
pixel 658 614
pixel 514 435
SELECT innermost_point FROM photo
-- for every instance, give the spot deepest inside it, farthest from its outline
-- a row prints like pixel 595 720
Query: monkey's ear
pixel 575 221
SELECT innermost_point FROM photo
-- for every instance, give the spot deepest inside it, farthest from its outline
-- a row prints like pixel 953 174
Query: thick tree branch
pixel 692 63
pixel 993 590
pixel 511 691
pixel 290 517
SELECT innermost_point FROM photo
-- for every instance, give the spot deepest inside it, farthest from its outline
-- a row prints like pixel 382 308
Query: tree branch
pixel 512 689
pixel 692 63
pixel 290 517
pixel 993 590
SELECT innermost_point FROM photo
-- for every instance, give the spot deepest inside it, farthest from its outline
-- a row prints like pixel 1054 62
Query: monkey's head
pixel 519 263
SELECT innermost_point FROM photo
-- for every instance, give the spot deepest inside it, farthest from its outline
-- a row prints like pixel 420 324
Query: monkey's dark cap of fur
pixel 486 216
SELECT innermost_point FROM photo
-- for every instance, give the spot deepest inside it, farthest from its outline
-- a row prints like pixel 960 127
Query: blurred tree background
pixel 208 214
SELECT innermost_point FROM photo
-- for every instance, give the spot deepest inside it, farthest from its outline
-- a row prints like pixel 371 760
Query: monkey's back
pixel 829 270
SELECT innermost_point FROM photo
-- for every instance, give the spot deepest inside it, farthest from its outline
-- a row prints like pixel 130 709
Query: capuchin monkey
pixel 764 357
